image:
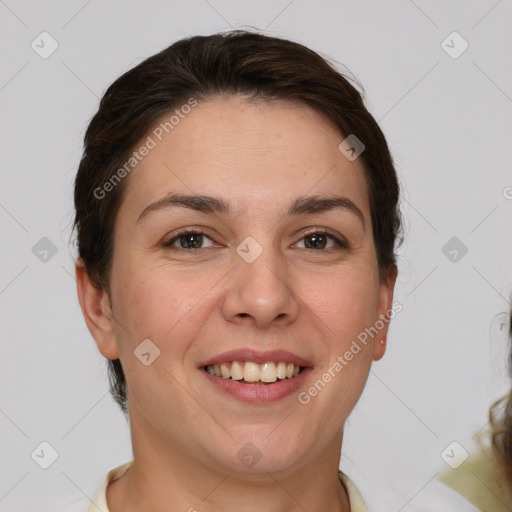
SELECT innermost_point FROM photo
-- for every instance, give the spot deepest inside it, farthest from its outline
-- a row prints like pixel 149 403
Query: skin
pixel 314 302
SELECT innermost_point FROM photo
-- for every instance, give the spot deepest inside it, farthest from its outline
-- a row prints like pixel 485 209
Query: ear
pixel 385 312
pixel 97 312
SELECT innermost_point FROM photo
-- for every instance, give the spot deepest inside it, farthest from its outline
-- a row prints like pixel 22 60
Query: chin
pixel 260 454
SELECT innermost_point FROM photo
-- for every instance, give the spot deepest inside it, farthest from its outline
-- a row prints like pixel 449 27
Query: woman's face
pixel 252 285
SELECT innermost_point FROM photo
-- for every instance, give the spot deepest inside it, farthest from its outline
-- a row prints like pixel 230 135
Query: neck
pixel 162 478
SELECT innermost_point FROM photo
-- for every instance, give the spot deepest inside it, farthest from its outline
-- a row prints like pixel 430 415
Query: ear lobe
pixel 379 349
pixel 385 307
pixel 97 312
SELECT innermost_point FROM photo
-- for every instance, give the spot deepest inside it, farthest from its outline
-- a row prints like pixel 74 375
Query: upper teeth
pixel 253 372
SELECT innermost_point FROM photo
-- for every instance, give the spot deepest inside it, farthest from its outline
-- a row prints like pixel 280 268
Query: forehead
pixel 264 152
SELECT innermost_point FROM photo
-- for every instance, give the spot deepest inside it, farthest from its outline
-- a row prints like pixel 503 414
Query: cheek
pixel 345 301
pixel 158 303
pixel 167 308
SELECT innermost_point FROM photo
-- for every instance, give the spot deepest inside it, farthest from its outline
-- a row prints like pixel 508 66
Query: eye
pixel 320 239
pixel 193 239
pixel 188 239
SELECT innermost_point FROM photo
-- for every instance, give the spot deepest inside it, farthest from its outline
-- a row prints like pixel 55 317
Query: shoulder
pixel 436 496
pixel 357 503
pixel 479 481
pixel 99 501
pixel 441 498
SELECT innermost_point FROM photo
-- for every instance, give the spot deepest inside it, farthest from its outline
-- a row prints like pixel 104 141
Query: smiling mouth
pixel 254 373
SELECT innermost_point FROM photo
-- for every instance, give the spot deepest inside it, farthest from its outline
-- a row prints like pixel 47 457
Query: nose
pixel 261 292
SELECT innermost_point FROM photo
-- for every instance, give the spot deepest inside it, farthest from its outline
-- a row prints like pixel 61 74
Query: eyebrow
pixel 217 205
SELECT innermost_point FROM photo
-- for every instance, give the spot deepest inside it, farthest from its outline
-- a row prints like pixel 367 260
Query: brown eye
pixel 187 240
pixel 316 241
pixel 320 240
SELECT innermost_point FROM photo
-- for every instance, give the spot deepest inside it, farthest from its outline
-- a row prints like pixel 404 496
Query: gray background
pixel 447 121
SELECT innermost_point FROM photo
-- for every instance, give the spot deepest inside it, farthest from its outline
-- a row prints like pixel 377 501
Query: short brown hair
pixel 254 65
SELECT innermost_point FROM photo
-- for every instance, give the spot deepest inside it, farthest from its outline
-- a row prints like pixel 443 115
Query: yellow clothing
pixel 479 481
pixel 99 503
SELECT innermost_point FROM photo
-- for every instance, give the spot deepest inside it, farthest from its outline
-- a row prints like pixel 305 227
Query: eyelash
pixel 188 231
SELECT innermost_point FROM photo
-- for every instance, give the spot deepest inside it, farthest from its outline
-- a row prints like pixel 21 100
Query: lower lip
pixel 258 393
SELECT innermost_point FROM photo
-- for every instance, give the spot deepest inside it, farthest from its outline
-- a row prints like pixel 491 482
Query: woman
pixel 236 214
pixel 485 480
pixel 501 421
